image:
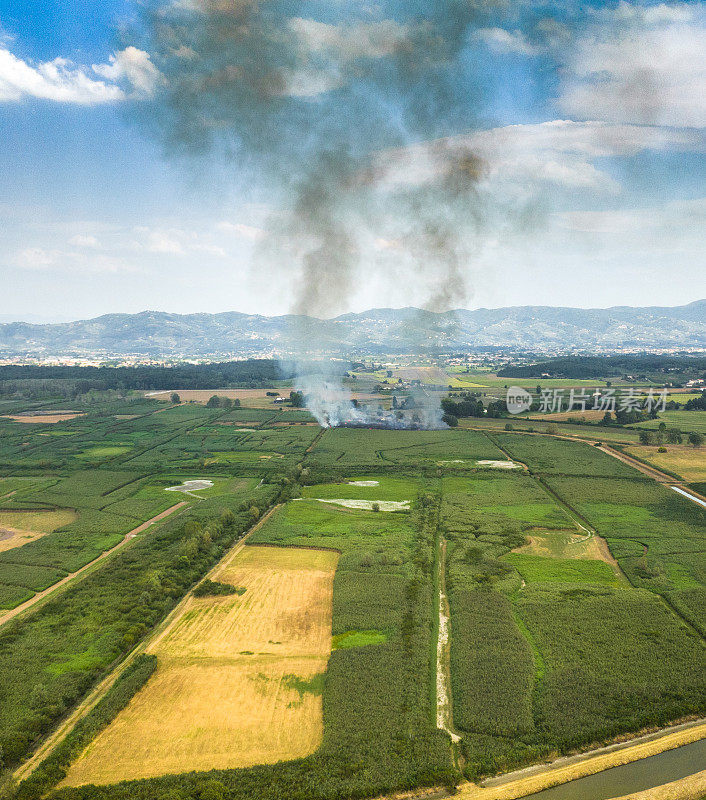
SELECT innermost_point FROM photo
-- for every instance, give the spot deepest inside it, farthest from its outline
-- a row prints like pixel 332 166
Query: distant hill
pixel 535 328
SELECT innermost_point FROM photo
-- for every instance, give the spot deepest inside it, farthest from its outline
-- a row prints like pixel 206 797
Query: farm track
pixel 69 722
pixel 444 700
pixel 71 577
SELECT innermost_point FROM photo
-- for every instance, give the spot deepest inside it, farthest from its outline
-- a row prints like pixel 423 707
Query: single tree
pixel 696 439
pixel 297 399
pixel 174 397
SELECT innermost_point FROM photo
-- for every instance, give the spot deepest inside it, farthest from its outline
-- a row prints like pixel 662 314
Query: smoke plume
pixel 318 103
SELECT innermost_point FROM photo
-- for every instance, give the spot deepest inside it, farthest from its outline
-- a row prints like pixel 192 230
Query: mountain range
pixel 233 334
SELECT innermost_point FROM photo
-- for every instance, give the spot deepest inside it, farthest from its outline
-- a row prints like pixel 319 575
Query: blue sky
pixel 589 125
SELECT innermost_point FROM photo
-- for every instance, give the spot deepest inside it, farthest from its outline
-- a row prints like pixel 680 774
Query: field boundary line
pixel 62 584
pixel 88 703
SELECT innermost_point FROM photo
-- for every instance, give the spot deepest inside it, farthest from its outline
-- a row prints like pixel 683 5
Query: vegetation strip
pixel 20 609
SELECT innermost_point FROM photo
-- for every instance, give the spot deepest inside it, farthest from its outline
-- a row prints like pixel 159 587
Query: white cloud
pixel 85 241
pixel 326 52
pixel 688 218
pixel 44 259
pixel 500 40
pixel 36 258
pixel 167 242
pixel 176 242
pixel 311 82
pixel 640 64
pixel 651 15
pixel 130 74
pixel 245 231
pixel 136 67
pixel 522 158
pixel 57 80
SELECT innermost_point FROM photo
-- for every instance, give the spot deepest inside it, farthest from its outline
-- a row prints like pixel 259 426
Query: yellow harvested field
pixel 681 459
pixel 238 677
pixel 566 544
pixel 21 527
pixel 42 419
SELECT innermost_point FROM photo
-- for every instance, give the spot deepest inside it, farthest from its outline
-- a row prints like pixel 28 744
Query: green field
pixel 545 649
pixel 686 421
pixel 538 569
pixel 552 648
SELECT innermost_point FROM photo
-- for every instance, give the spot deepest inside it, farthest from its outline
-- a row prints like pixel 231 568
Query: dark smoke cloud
pixel 305 97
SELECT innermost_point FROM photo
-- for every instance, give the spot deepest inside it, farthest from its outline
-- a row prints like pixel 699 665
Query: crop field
pixel 238 679
pixel 20 527
pixel 105 478
pixel 104 615
pixel 576 590
pixel 686 421
pixel 551 456
pixel 533 602
pixel 566 544
pixel 542 569
pixel 366 487
pixel 77 518
pixel 513 496
pixel 41 419
pixel 357 446
pixel 687 462
pixel 255 398
pixel 541 424
pixel 656 535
